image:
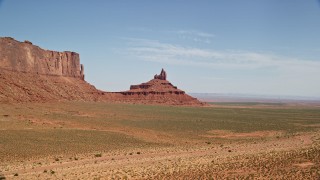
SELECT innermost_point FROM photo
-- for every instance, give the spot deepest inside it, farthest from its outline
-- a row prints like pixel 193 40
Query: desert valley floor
pixel 101 140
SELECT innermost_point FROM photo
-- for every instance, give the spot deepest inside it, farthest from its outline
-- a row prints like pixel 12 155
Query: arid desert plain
pixel 94 90
pixel 101 140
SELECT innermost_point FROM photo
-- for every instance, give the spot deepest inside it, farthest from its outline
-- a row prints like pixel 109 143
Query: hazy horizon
pixel 254 96
pixel 248 47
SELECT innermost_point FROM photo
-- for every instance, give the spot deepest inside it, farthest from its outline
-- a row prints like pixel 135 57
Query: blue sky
pixel 267 47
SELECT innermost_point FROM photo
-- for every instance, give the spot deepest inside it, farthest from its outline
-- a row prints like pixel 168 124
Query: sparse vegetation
pixel 96 129
pixel 2 177
pixel 98 155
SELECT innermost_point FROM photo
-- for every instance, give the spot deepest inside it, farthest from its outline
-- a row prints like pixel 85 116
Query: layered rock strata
pixel 26 57
pixel 157 91
pixel 29 73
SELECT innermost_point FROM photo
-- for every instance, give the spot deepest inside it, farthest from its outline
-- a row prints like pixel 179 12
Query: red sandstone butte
pixel 157 91
pixel 29 73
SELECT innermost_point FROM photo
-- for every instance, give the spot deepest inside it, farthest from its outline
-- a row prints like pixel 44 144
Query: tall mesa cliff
pixel 31 74
pixel 26 57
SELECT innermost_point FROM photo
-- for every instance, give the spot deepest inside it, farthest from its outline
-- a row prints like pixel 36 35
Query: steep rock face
pixel 25 57
pixel 31 74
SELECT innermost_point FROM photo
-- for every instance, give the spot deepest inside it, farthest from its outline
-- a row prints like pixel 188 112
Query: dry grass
pixel 141 141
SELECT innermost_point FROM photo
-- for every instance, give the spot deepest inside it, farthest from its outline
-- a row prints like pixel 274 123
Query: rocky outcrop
pixel 31 74
pixel 157 91
pixel 26 57
pixel 162 75
pixel 154 86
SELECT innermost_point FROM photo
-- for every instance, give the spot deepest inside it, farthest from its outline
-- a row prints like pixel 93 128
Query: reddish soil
pixel 233 135
pixel 26 87
pixel 278 158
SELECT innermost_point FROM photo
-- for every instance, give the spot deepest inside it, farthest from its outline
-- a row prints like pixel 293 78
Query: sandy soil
pixel 179 162
pixel 213 154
